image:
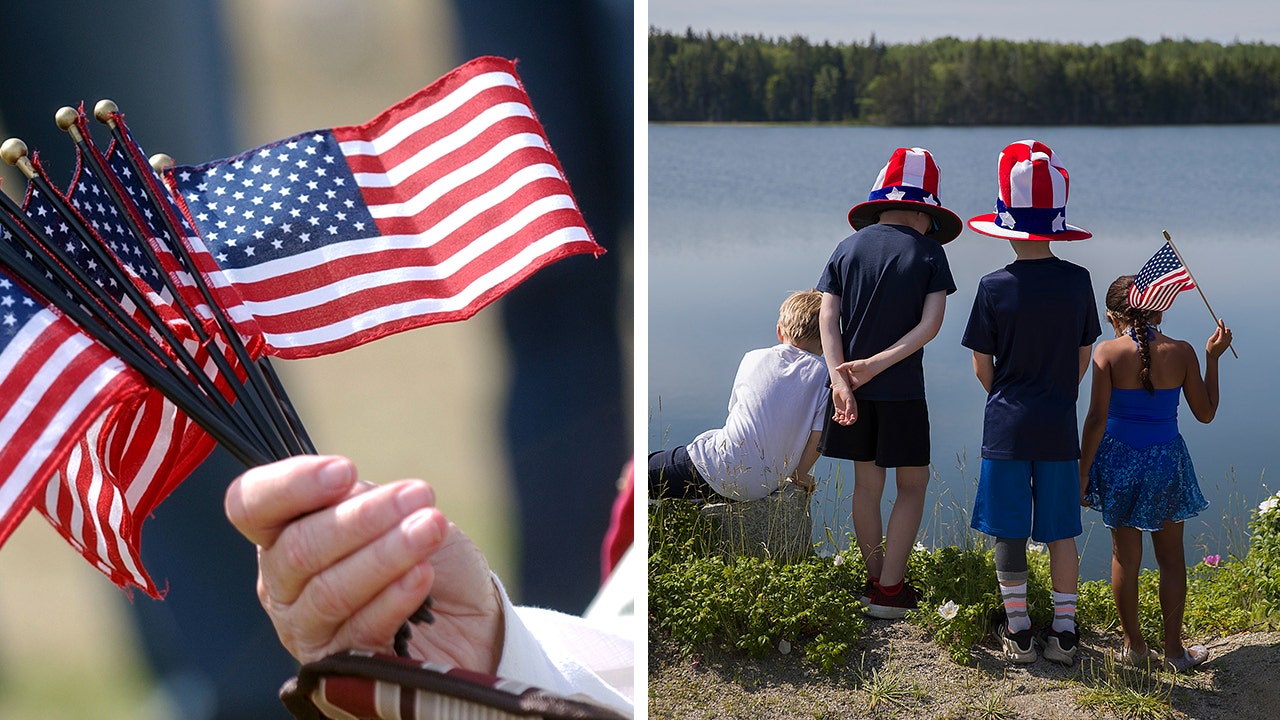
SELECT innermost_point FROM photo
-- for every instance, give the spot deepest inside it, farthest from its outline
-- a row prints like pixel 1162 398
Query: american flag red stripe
pixel 425 214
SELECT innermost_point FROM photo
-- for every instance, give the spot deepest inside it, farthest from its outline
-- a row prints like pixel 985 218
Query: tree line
pixel 731 78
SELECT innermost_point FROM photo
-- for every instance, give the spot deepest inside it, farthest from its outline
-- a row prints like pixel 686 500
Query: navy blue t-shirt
pixel 882 274
pixel 1033 316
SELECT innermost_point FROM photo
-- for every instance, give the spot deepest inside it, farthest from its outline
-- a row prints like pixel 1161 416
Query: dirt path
pixel 1241 682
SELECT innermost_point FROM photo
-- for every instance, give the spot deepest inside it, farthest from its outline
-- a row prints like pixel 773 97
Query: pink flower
pixel 1212 560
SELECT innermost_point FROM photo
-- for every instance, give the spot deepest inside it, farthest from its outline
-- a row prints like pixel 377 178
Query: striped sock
pixel 1064 612
pixel 1015 606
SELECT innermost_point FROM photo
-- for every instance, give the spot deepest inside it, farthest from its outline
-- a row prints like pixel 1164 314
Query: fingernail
pixel 419 527
pixel 412 497
pixel 335 474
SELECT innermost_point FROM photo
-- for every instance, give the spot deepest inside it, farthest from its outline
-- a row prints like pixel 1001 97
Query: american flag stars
pixel 16 307
pixel 276 201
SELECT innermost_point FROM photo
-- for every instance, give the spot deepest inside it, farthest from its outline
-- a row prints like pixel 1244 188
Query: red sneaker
pixel 891 607
pixel 865 597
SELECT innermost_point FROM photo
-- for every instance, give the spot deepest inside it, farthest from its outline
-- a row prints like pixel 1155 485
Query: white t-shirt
pixel 779 397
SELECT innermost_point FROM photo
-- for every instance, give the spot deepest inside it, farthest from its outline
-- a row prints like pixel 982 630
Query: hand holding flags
pixel 303 247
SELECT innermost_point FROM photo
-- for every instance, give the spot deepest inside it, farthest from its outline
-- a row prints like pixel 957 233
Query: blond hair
pixel 798 316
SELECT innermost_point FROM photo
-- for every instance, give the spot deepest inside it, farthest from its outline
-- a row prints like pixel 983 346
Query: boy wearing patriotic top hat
pixel 1031 331
pixel 883 295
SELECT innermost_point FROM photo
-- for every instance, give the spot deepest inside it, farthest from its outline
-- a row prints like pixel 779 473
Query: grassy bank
pixel 704 605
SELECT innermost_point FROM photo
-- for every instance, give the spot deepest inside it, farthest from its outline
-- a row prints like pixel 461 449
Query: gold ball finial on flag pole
pixel 161 162
pixel 104 110
pixel 66 118
pixel 14 152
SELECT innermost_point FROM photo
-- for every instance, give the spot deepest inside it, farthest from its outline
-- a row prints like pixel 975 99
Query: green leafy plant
pixel 746 603
pixel 961 599
pixel 760 606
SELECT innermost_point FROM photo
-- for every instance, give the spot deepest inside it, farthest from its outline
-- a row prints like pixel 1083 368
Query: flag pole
pixel 256 408
pixel 46 278
pixel 76 308
pixel 14 152
pixel 260 374
pixel 1197 284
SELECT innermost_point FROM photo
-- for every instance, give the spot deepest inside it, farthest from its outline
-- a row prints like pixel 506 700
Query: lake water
pixel 739 216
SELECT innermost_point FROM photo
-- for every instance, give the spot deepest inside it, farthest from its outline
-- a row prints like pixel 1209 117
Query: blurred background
pixel 520 417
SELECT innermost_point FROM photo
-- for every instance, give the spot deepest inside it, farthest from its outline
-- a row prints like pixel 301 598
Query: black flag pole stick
pixel 1198 288
pixel 46 278
pixel 76 308
pixel 14 152
pixel 260 373
pixel 255 405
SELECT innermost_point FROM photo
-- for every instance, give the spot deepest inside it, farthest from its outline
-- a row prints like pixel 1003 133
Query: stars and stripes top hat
pixel 1032 204
pixel 908 182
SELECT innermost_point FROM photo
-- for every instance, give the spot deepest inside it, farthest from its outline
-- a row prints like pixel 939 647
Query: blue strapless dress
pixel 1142 476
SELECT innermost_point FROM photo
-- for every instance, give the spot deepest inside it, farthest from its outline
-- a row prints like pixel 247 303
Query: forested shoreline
pixel 732 78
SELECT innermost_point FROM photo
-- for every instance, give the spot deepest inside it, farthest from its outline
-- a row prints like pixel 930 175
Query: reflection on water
pixel 740 216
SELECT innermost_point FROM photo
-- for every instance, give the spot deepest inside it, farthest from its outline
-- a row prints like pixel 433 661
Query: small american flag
pixel 54 383
pixel 425 214
pixel 1160 281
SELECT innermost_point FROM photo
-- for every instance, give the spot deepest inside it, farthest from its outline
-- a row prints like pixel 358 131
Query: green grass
pixel 1126 692
pixel 885 689
pixel 751 605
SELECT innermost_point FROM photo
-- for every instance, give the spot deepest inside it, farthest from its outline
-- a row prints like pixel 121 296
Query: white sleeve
pixel 568 655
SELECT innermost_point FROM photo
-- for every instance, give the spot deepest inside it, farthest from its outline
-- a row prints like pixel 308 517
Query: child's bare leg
pixel 1172 559
pixel 904 522
pixel 1126 559
pixel 868 489
pixel 1064 565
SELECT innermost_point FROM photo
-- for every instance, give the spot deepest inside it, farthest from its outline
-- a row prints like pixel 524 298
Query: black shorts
pixel 893 433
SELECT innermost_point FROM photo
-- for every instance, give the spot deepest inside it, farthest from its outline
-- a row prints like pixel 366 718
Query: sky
pixel 1069 21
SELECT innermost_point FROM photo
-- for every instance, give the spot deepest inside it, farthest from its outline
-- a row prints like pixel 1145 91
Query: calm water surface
pixel 741 216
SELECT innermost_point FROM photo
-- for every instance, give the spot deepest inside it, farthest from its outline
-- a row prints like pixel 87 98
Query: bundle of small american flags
pixel 139 308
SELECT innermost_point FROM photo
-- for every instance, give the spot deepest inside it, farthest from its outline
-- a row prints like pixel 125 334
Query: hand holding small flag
pixel 1162 278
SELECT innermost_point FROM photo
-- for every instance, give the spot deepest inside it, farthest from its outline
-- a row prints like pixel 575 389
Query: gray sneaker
pixel 1019 647
pixel 1060 647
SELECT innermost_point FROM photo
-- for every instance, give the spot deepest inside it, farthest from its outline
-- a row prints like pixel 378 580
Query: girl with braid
pixel 1134 465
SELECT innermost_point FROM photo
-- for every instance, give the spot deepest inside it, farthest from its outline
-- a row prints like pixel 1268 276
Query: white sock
pixel 1064 612
pixel 1015 606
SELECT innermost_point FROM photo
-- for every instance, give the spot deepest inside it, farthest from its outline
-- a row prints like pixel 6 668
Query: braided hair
pixel 1137 320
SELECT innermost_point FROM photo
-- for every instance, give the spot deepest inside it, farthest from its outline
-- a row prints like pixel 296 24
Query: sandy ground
pixel 1238 683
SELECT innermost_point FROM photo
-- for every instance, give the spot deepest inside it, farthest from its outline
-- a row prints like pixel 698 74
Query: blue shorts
pixel 1028 498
